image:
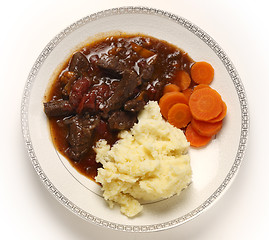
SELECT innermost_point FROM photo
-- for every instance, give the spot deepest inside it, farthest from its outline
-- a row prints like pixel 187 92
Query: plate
pixel 214 167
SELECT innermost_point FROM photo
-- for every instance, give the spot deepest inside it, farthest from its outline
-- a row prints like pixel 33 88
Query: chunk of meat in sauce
pixel 79 63
pixel 134 105
pixel 125 89
pixel 81 135
pixel 110 66
pixel 121 120
pixel 145 69
pixel 57 108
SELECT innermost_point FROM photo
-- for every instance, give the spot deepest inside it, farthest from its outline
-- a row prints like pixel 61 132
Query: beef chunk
pixel 125 89
pixel 112 63
pixel 81 134
pixel 159 86
pixel 121 120
pixel 79 63
pixel 110 66
pixel 108 62
pixel 134 105
pixel 56 108
pixel 147 72
pixel 112 74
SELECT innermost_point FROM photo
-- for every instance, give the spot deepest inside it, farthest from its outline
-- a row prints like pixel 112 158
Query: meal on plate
pixel 124 110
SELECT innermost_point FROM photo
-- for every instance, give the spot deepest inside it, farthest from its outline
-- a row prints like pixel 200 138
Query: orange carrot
pixel 187 92
pixel 179 115
pixel 200 86
pixel 202 72
pixel 205 128
pixel 143 52
pixel 182 79
pixel 221 115
pixel 169 99
pixel 205 104
pixel 194 138
pixel 170 88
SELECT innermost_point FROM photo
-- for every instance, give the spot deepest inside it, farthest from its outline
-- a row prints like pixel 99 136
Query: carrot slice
pixel 194 138
pixel 202 72
pixel 205 128
pixel 187 92
pixel 143 52
pixel 205 104
pixel 221 115
pixel 170 88
pixel 182 79
pixel 201 86
pixel 169 99
pixel 179 115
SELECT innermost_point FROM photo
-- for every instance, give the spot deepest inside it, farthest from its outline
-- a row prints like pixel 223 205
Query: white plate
pixel 214 167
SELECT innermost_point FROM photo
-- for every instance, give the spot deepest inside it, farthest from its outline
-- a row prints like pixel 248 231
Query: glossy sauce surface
pixel 134 53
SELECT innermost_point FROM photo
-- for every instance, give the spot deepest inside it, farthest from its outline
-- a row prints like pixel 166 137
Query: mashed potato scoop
pixel 150 162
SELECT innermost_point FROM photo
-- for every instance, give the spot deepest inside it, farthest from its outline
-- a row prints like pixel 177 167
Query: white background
pixel 28 210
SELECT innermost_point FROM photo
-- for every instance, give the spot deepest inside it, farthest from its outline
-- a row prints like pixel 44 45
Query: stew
pixel 101 90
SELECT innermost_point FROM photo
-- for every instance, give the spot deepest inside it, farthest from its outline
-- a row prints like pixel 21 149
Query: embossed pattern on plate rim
pixel 230 69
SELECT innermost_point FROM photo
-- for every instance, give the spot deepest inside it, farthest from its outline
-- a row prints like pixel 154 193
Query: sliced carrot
pixel 179 115
pixel 182 79
pixel 201 86
pixel 206 128
pixel 169 99
pixel 194 138
pixel 143 52
pixel 205 104
pixel 202 72
pixel 171 88
pixel 187 92
pixel 221 115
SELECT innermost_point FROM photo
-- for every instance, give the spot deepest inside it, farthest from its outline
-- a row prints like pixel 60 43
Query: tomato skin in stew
pixel 101 89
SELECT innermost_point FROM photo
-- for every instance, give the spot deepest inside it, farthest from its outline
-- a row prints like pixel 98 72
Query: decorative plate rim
pixel 206 39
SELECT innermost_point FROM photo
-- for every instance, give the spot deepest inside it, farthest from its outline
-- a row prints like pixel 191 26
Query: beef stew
pixel 101 90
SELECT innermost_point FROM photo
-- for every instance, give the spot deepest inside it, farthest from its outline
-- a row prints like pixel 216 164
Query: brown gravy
pixel 133 52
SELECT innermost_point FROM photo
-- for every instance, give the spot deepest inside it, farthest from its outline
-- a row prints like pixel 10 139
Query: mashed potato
pixel 149 162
